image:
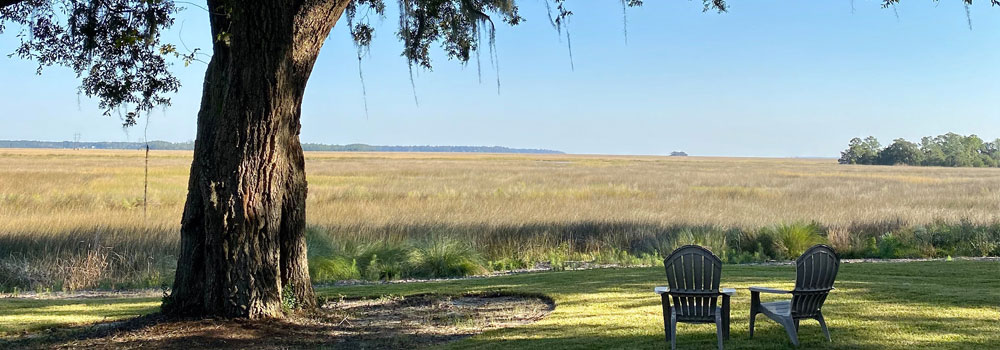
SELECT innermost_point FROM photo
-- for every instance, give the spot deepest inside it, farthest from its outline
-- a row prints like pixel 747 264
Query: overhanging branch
pixel 5 3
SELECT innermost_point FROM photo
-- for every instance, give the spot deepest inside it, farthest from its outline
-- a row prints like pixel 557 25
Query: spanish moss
pixel 561 20
pixel 364 90
pixel 413 86
pixel 569 46
pixel 479 65
pixel 496 61
pixel 625 20
pixel 968 14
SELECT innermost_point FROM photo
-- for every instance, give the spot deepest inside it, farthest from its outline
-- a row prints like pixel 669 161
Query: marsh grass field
pixel 75 219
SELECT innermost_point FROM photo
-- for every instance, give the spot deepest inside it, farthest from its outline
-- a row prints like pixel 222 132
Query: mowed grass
pixel 917 305
pixel 22 316
pixel 929 305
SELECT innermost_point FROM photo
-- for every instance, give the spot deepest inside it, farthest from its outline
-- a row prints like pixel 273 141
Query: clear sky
pixel 768 78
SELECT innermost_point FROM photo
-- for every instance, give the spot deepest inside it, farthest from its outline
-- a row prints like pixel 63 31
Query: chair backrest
pixel 815 272
pixel 693 274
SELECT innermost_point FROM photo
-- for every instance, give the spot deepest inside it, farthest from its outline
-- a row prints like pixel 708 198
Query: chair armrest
pixel 728 291
pixel 768 290
pixel 662 290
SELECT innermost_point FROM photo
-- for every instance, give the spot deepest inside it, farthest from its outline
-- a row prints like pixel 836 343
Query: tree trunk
pixel 243 249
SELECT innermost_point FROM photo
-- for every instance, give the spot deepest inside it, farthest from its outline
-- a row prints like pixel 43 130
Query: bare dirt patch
pixel 384 323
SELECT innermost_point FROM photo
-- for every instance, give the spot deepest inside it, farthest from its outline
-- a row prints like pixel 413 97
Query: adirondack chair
pixel 693 275
pixel 815 271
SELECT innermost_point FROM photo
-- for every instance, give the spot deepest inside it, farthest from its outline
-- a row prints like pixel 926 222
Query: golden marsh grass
pixel 47 191
pixel 59 203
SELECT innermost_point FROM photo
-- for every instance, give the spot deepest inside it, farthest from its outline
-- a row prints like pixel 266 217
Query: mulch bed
pixel 384 323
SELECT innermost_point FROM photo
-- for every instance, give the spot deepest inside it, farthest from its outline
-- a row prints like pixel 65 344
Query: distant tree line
pixel 164 145
pixel 950 149
pixel 359 147
pixel 154 145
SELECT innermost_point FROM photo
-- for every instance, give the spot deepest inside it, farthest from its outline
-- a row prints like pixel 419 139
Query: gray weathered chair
pixel 693 275
pixel 815 271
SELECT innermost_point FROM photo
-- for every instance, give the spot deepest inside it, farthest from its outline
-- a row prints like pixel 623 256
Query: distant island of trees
pixel 951 149
pixel 164 145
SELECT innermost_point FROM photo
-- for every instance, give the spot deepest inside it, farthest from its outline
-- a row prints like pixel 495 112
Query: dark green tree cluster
pixel 950 149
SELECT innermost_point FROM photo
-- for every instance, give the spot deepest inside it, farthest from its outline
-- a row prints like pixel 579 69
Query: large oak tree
pixel 242 234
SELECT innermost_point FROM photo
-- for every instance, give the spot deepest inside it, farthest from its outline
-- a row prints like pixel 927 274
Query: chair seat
pixel 815 271
pixel 681 317
pixel 778 308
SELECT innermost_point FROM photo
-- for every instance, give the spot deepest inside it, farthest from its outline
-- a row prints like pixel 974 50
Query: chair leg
pixel 718 329
pixel 796 326
pixel 666 317
pixel 793 334
pixel 754 306
pixel 725 316
pixel 673 331
pixel 822 325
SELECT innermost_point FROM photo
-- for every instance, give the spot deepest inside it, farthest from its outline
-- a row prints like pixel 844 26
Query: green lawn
pixel 930 305
pixel 30 315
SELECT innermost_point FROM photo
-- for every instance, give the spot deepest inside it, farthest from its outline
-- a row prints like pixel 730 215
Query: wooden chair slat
pixel 694 274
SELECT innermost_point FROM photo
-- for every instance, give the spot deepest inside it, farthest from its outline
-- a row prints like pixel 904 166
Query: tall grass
pixel 434 256
pixel 789 241
pixel 439 256
pixel 100 258
pixel 385 216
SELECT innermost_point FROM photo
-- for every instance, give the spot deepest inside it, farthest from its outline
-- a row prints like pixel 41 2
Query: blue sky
pixel 768 78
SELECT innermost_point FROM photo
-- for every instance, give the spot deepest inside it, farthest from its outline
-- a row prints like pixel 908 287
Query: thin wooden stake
pixel 145 187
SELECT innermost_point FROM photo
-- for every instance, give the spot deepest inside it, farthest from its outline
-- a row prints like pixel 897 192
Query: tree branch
pixel 5 3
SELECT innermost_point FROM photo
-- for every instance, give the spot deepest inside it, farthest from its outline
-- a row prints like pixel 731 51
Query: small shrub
pixel 645 259
pixel 981 242
pixel 384 270
pixel 383 261
pixel 507 264
pixel 557 260
pixel 711 238
pixel 288 301
pixel 839 238
pixel 758 244
pixel 86 271
pixel 332 269
pixel 328 260
pixel 791 240
pixel 744 257
pixel 944 238
pixel 613 255
pixel 890 247
pixel 441 256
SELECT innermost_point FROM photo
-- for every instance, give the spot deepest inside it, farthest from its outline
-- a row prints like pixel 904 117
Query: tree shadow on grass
pixel 158 332
pixel 403 323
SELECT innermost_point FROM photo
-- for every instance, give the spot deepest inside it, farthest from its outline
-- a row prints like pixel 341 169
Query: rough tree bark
pixel 242 233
